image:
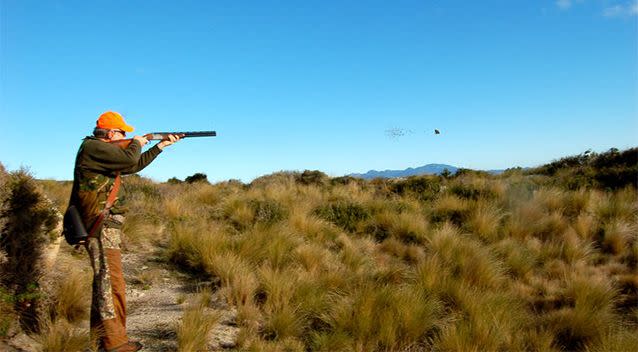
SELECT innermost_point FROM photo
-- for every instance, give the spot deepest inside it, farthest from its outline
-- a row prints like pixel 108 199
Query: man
pixel 97 163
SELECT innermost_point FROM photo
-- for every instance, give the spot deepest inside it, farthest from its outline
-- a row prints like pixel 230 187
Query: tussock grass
pixel 71 297
pixel 588 314
pixel 470 262
pixel 380 317
pixel 450 208
pixel 408 227
pixel 237 275
pixel 519 259
pixel 622 205
pixel 466 258
pixel 274 245
pixel 490 321
pixel 196 323
pixel 485 221
pixel 61 335
pixel 618 235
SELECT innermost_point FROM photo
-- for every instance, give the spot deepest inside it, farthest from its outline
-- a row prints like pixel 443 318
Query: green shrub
pixel 346 180
pixel 613 169
pixel 314 177
pixel 28 218
pixel 421 187
pixel 197 177
pixel 268 211
pixel 346 215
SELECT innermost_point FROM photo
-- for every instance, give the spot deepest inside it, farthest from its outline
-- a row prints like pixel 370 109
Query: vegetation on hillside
pixel 542 259
pixel 613 169
pixel 520 261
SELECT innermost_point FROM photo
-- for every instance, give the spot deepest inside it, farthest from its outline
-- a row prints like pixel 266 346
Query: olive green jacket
pixel 96 165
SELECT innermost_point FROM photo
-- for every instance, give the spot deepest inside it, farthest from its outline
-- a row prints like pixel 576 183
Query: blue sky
pixel 294 85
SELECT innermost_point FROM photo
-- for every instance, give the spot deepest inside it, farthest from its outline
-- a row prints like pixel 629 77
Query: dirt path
pixel 157 295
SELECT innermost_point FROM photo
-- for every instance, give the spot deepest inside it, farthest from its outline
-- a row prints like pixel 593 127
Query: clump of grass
pixel 466 258
pixel 313 257
pixel 61 335
pixel 489 321
pixel 551 226
pixel 550 199
pixel 585 319
pixel 288 344
pixel 380 317
pixel 484 221
pixel 71 297
pixel 523 219
pixel 408 227
pixel 621 205
pixel 585 226
pixel 573 248
pixel 193 241
pixel 617 236
pixel 196 323
pixel 518 258
pixel 240 214
pixel 274 245
pixel 450 208
pixel 475 187
pixel 237 276
pixel 576 202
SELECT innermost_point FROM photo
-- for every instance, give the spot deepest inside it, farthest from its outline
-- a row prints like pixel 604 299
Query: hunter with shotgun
pixel 96 214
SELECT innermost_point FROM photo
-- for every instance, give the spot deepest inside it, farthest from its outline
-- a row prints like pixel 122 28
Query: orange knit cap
pixel 111 120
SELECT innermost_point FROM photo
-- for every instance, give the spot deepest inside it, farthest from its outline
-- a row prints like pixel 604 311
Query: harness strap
pixel 109 203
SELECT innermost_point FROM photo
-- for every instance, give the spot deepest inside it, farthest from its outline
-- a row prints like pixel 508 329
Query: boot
pixel 130 346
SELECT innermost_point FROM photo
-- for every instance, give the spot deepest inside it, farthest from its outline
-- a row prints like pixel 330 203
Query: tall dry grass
pixel 196 323
pixel 477 263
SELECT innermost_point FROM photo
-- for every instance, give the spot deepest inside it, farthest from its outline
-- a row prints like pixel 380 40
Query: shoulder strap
pixel 109 203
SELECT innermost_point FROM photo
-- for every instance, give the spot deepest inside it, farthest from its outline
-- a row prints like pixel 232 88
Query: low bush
pixel 348 216
pixel 421 187
pixel 28 220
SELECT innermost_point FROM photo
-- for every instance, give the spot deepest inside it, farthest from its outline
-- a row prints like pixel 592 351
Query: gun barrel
pixel 164 135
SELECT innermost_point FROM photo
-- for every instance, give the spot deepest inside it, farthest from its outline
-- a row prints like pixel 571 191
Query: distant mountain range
pixel 429 169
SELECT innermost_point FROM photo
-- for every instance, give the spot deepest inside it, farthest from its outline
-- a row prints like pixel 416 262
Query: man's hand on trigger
pixel 172 138
pixel 141 140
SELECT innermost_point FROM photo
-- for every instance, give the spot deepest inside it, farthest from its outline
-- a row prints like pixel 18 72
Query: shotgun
pixel 159 136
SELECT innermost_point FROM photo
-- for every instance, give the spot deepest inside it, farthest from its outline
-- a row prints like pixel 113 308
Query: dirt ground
pixel 158 292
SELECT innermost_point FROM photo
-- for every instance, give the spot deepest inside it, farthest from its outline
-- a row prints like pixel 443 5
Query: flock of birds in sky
pixel 394 133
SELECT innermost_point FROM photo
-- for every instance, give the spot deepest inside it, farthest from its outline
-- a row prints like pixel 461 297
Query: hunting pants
pixel 108 305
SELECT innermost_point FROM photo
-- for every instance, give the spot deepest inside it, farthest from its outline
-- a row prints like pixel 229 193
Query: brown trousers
pixel 108 305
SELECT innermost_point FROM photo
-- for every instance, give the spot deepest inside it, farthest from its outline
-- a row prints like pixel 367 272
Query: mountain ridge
pixel 429 169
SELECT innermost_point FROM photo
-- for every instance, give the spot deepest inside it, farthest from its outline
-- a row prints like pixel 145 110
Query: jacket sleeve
pixel 109 157
pixel 146 158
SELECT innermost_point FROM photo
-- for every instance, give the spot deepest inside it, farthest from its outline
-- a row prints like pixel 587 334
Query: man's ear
pixel 110 134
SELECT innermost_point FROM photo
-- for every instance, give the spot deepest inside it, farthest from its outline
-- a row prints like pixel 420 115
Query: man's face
pixel 116 135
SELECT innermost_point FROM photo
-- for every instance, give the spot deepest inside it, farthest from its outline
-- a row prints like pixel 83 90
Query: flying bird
pixel 437 131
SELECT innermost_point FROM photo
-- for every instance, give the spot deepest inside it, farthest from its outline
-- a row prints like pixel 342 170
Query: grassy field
pixel 533 260
pixel 521 261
